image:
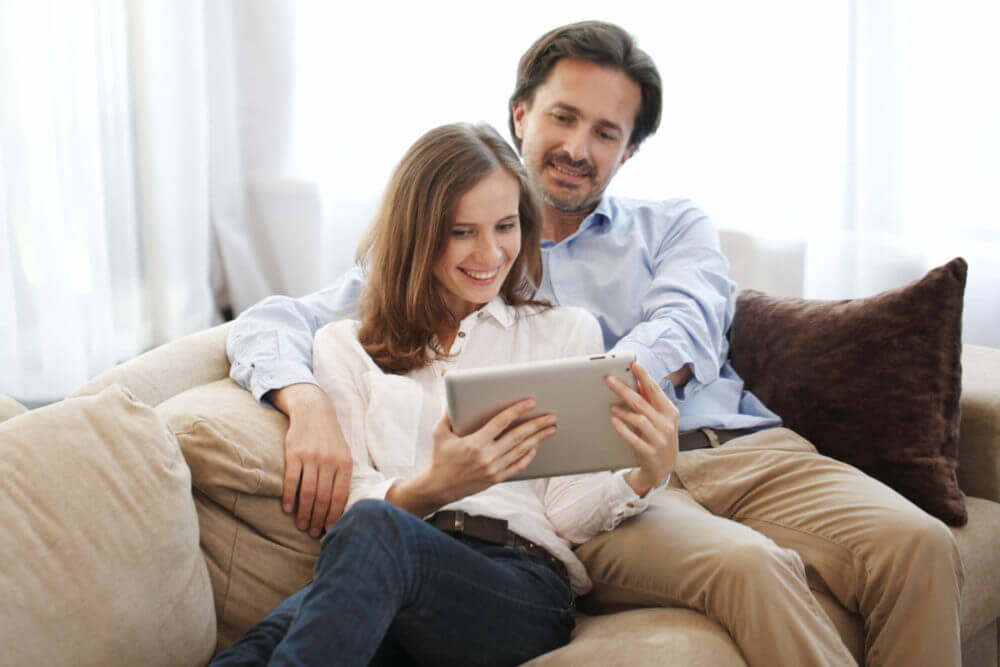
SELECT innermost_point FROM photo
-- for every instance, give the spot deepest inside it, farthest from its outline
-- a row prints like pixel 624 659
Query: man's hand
pixel 317 457
pixel 648 423
pixel 462 466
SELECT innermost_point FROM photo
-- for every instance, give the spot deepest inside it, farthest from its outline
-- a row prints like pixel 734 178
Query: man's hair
pixel 402 307
pixel 597 42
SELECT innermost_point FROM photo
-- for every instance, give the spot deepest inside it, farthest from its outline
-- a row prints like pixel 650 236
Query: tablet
pixel 572 389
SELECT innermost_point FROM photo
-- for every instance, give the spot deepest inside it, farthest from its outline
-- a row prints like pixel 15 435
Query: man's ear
pixel 517 112
pixel 628 153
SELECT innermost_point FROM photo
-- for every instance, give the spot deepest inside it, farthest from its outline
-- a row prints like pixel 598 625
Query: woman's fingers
pixel 501 421
pixel 523 431
pixel 652 391
pixel 516 458
pixel 640 424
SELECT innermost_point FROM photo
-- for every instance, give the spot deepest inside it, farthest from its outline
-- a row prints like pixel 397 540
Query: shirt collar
pixel 498 310
pixel 602 214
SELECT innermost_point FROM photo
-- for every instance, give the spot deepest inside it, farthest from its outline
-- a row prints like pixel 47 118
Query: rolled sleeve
pixel 686 309
pixel 270 344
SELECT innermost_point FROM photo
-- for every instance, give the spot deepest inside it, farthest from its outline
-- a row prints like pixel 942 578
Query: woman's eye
pixel 506 226
pixel 460 233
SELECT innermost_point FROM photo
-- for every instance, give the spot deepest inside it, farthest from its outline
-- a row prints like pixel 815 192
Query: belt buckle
pixel 459 522
pixel 509 541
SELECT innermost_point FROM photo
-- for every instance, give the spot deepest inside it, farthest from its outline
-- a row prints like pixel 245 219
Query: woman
pixel 489 577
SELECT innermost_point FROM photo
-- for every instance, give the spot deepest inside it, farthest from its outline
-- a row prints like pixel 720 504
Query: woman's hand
pixel 648 424
pixel 462 466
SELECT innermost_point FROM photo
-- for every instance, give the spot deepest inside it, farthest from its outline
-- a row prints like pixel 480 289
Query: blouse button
pixel 461 334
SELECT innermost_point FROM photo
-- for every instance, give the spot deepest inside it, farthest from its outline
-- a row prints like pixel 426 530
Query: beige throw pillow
pixel 99 544
pixel 236 450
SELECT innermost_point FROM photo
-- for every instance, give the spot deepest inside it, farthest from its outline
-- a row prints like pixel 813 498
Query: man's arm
pixel 687 308
pixel 270 351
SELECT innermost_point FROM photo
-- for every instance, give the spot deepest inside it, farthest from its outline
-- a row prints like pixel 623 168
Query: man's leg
pixel 874 551
pixel 678 554
pixel 382 570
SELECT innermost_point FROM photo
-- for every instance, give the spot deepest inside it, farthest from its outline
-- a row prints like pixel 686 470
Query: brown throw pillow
pixel 873 382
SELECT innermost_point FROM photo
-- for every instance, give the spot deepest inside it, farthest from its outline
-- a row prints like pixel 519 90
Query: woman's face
pixel 484 241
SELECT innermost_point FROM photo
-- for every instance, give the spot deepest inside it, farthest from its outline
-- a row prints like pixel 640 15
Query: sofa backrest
pixel 168 370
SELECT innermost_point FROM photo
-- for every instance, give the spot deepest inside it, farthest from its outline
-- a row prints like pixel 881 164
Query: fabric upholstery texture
pixel 256 556
pixel 979 441
pixel 10 408
pixel 100 539
pixel 169 369
pixel 874 382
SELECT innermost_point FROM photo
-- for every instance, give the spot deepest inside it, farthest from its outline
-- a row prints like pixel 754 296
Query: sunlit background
pixel 164 162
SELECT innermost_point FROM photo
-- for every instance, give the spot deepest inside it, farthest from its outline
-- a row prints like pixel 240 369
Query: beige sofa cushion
pixel 100 539
pixel 10 408
pixel 979 440
pixel 169 369
pixel 256 556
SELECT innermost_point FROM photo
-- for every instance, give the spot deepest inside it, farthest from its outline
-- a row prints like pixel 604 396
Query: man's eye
pixel 561 117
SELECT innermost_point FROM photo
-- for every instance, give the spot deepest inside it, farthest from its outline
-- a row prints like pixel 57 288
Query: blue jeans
pixel 391 589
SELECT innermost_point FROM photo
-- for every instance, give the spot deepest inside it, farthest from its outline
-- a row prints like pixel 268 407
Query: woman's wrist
pixel 640 482
pixel 416 495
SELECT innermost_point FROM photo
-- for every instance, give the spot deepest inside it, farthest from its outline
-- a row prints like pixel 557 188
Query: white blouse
pixel 387 421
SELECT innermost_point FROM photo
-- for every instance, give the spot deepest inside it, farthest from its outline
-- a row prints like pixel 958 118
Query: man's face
pixel 574 133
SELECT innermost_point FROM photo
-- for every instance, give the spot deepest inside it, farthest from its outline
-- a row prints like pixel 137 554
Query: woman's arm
pixel 462 466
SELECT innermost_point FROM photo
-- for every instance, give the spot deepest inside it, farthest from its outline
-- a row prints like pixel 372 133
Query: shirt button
pixel 461 334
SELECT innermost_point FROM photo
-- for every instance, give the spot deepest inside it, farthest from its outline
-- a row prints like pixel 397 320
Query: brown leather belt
pixel 459 524
pixel 700 438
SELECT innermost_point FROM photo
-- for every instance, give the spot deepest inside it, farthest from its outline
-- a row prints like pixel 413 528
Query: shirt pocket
pixel 392 422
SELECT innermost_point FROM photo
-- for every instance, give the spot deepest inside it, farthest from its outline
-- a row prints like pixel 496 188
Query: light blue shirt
pixel 651 272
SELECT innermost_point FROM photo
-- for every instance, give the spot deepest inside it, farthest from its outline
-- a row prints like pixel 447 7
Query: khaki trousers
pixel 745 530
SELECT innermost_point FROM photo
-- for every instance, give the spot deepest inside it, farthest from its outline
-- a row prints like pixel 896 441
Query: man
pixel 744 530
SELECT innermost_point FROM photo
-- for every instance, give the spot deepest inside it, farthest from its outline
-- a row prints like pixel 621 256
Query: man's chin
pixel 567 205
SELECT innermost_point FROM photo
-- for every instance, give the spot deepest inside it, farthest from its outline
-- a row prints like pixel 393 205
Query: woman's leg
pixel 383 570
pixel 257 643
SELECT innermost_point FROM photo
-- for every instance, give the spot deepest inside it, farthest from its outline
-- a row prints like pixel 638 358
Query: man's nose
pixel 578 144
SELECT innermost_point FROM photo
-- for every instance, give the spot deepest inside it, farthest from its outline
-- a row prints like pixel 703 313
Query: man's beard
pixel 569 202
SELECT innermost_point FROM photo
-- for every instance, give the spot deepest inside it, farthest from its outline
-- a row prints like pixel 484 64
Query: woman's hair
pixel 402 307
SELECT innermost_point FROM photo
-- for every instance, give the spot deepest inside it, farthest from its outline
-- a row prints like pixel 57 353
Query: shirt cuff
pixel 377 491
pixel 265 379
pixel 660 367
pixel 624 501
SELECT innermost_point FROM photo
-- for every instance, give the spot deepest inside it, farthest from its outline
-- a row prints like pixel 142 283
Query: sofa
pixel 141 522
pixel 142 526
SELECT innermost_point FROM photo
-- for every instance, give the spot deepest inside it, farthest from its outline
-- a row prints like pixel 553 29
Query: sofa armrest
pixel 979 441
pixel 169 369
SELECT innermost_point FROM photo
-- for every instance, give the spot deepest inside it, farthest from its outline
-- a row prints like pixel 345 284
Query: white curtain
pixel 866 129
pixel 163 159
pixel 142 169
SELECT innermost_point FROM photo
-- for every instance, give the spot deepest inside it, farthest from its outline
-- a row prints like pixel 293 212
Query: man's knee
pixel 757 564
pixel 917 539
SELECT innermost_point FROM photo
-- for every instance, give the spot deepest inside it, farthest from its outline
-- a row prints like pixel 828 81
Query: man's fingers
pixel 307 495
pixel 324 492
pixel 499 423
pixel 341 489
pixel 293 472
